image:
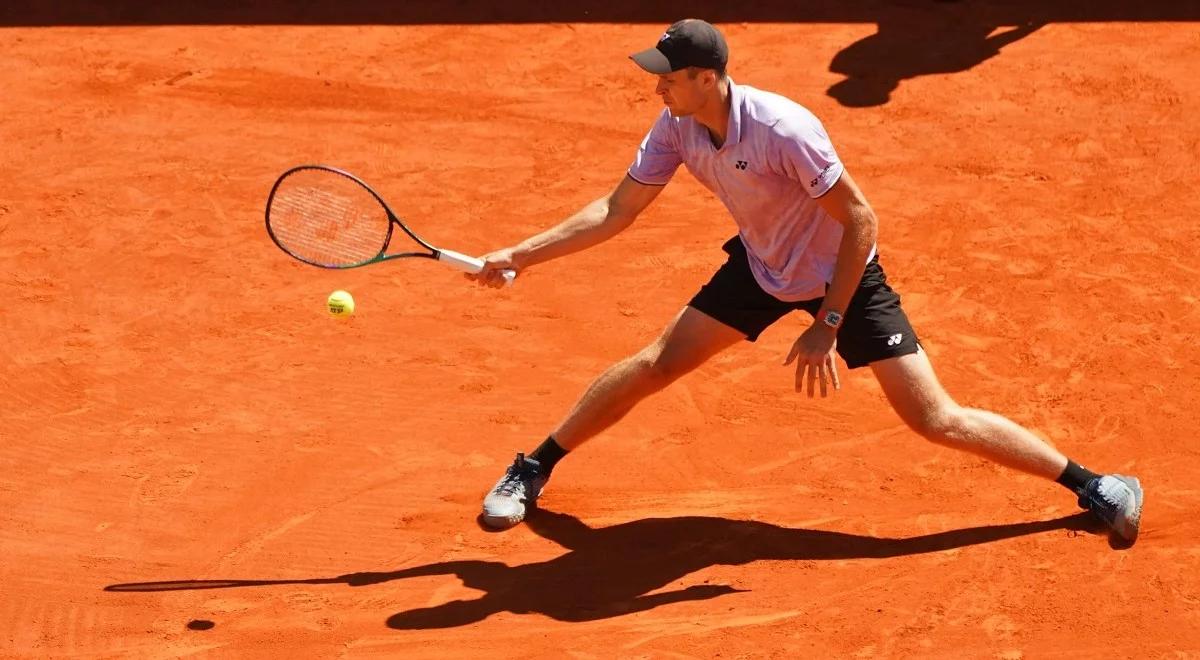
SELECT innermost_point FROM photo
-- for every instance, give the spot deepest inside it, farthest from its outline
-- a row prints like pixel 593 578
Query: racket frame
pixel 393 222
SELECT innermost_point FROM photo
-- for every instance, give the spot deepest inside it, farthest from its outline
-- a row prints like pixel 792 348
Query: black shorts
pixel 873 328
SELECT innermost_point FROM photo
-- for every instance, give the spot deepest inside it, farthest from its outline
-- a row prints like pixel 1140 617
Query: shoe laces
pixel 522 472
pixel 1105 498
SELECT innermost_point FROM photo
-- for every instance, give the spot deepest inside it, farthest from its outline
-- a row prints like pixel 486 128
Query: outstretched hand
pixel 815 352
pixel 494 266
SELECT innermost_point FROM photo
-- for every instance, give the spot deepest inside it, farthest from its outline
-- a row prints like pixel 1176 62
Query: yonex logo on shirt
pixel 791 242
pixel 821 175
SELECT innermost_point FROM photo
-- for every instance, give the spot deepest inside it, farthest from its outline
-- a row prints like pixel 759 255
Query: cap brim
pixel 652 60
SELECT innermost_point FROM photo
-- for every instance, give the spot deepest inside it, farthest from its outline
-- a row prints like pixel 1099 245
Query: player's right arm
pixel 593 224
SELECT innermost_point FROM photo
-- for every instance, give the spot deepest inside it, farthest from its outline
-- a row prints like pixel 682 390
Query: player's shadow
pixel 611 571
pixel 913 37
pixel 906 46
pixel 29 13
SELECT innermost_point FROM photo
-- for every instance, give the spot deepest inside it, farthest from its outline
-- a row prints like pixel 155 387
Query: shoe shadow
pixel 611 571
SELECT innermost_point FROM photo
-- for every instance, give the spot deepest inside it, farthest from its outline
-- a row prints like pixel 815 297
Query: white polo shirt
pixel 776 160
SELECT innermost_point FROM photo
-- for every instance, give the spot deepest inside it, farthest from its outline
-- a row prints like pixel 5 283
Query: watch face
pixel 833 319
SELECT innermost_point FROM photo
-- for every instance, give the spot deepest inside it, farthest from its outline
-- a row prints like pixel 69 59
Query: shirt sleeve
pixel 658 156
pixel 806 154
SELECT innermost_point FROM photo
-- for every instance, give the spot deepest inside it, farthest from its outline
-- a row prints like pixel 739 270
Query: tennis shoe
pixel 515 493
pixel 1117 500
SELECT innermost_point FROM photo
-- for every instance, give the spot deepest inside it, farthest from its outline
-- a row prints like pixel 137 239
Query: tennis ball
pixel 340 303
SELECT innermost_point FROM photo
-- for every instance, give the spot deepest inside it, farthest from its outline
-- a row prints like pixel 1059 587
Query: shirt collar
pixel 733 132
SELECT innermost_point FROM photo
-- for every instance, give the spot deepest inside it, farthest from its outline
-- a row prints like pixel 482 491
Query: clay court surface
pixel 188 437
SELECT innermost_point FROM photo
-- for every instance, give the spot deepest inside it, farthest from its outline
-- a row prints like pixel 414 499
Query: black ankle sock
pixel 548 454
pixel 1076 477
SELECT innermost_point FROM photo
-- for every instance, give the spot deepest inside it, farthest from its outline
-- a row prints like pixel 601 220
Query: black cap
pixel 690 42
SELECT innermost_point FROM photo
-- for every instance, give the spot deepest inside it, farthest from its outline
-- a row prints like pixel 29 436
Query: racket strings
pixel 328 220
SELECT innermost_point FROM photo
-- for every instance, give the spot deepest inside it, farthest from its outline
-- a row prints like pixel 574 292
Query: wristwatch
pixel 832 319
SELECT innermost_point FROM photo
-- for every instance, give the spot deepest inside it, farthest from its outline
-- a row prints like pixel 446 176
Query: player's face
pixel 684 94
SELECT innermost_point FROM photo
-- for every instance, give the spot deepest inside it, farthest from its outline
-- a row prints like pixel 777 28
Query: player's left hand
pixel 816 352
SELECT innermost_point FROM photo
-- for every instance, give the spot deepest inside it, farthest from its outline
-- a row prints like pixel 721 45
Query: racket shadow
pixel 612 571
pixel 192 585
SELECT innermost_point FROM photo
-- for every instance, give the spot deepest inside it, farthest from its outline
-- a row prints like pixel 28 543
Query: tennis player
pixel 806 241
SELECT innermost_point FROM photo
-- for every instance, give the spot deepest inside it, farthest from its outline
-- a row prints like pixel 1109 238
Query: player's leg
pixel 730 308
pixel 877 332
pixel 915 393
pixel 687 342
pixel 690 340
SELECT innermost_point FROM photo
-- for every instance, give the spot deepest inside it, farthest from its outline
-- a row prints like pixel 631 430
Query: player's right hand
pixel 494 265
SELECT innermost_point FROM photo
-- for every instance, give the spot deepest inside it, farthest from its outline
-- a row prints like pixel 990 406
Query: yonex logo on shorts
pixel 894 340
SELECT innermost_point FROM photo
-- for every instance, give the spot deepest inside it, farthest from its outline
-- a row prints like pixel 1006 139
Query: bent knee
pixel 939 424
pixel 658 367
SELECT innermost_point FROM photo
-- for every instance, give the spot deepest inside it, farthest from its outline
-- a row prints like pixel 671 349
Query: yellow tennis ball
pixel 340 303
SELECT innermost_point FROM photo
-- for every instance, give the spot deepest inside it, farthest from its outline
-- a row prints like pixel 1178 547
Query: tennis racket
pixel 330 218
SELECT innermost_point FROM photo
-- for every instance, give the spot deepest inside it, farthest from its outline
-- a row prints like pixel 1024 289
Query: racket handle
pixel 469 264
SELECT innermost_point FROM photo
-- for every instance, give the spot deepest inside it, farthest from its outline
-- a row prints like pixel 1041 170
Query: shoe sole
pixel 1134 521
pixel 502 522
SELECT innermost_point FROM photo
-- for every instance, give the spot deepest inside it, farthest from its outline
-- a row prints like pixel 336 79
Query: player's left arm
pixel 814 350
pixel 845 202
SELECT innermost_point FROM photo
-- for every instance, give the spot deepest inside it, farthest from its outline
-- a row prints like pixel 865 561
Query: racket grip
pixel 469 264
